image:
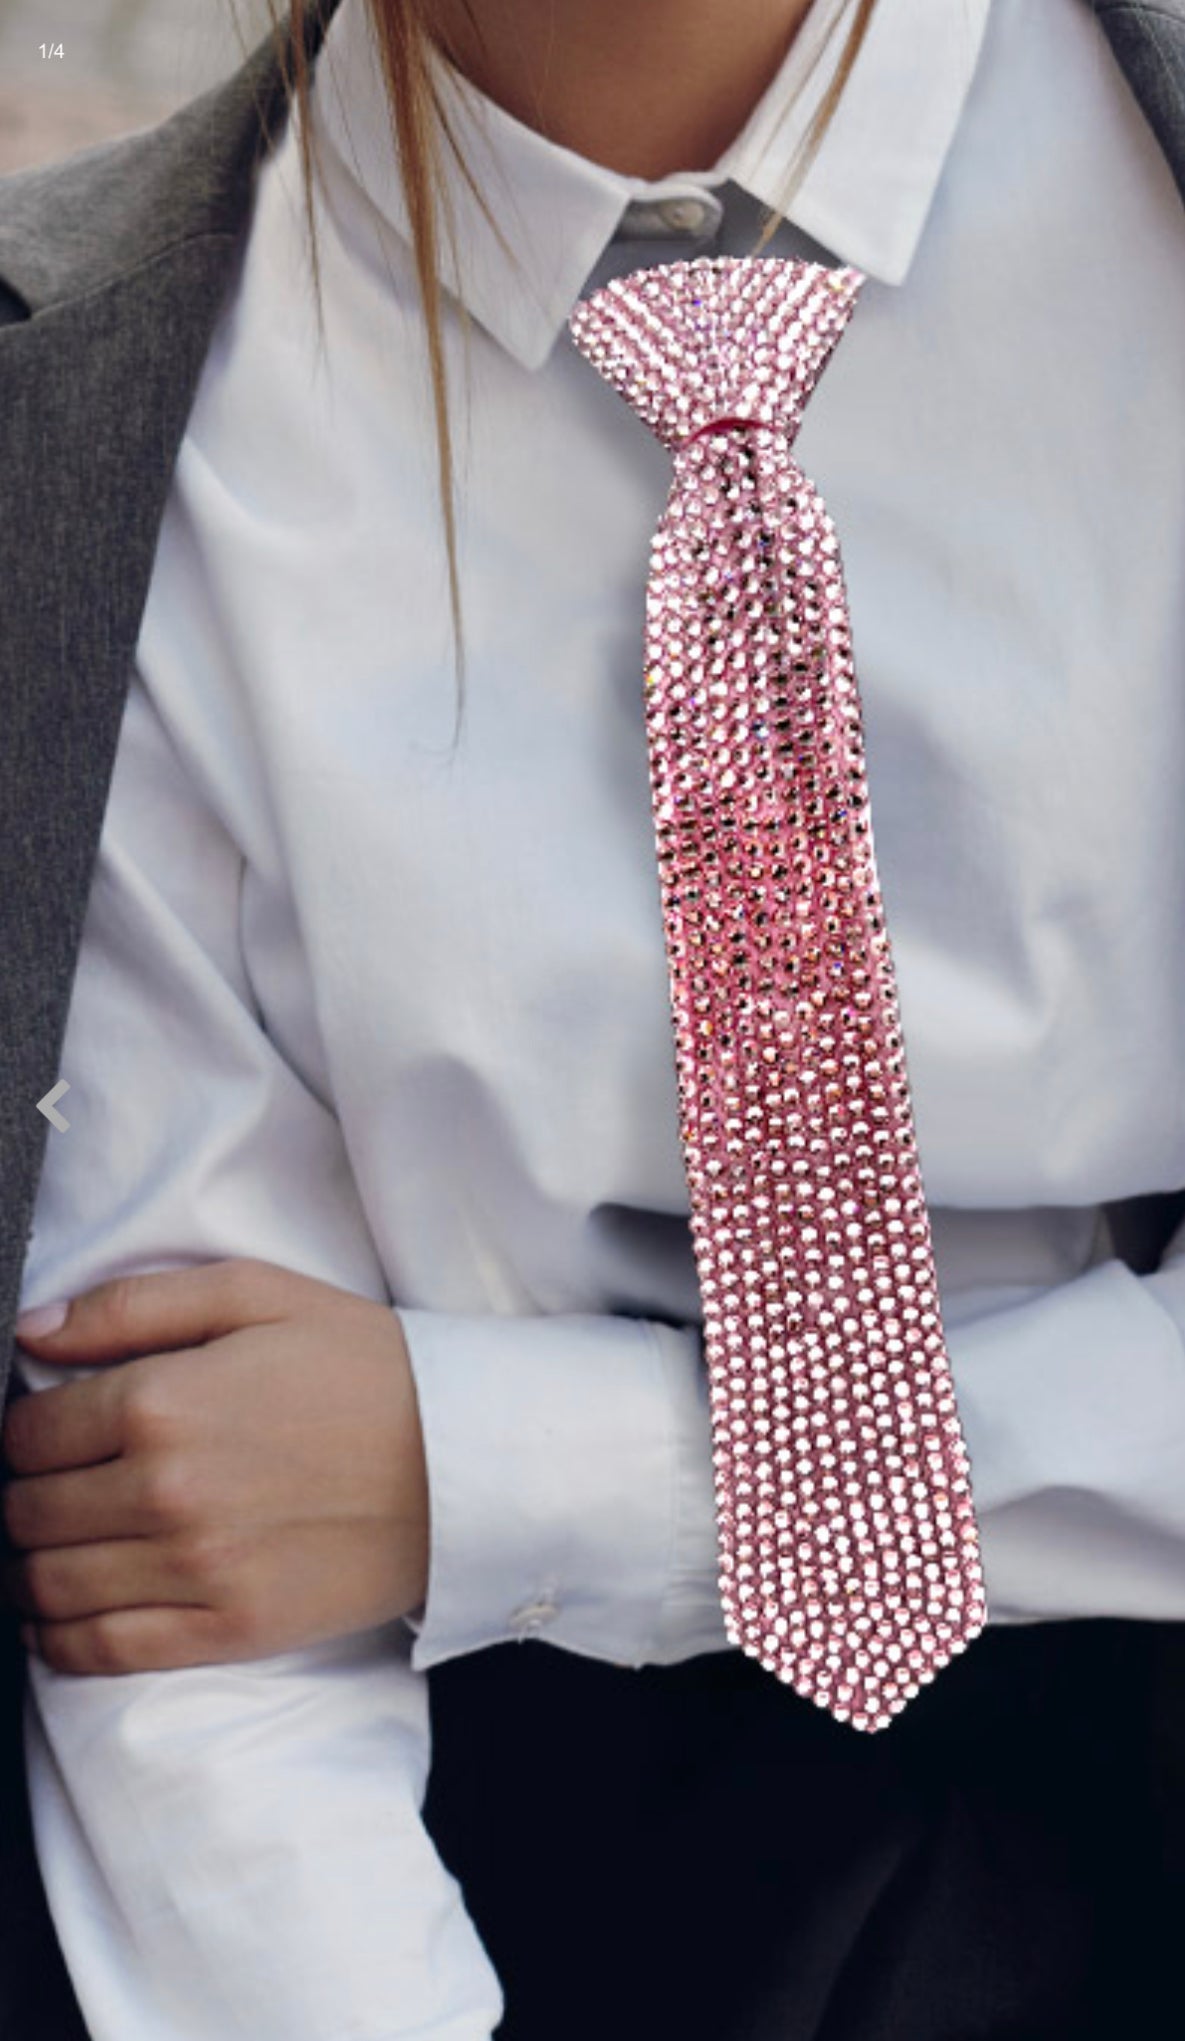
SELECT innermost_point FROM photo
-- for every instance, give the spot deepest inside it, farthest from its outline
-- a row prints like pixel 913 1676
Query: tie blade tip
pixel 866 1696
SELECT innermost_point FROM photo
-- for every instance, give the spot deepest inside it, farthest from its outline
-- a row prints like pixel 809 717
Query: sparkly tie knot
pixel 726 424
pixel 720 342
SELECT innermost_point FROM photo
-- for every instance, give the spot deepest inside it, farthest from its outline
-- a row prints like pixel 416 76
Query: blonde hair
pixel 421 130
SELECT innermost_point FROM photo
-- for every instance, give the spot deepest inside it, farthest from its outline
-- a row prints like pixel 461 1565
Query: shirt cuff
pixel 568 1468
pixel 691 1619
pixel 1073 1410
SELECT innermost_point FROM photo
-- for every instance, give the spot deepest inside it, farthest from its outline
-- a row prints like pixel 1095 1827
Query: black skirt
pixel 693 1852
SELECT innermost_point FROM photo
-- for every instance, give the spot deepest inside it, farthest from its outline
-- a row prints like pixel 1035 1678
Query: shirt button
pixel 687 215
pixel 694 216
pixel 529 1620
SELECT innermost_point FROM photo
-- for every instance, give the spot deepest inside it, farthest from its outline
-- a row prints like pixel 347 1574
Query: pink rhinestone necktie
pixel 849 1555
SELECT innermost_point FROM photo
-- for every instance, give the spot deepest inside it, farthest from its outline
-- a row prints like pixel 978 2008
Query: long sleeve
pixel 1074 1405
pixel 228 1850
pixel 569 1468
pixel 591 1522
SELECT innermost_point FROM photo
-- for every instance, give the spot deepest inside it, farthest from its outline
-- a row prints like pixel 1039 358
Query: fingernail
pixel 42 1320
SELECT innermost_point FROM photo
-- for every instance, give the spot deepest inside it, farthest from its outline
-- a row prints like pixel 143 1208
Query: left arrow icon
pixel 46 1105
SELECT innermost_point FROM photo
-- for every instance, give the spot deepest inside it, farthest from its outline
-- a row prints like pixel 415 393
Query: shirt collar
pixel 865 197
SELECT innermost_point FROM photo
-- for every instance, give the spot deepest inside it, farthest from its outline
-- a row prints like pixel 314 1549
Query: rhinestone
pixel 841 1474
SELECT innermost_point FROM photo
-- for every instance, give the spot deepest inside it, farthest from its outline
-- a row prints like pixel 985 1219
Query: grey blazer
pixel 113 267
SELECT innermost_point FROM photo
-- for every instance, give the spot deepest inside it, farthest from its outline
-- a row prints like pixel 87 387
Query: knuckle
pixel 147 1418
pixel 239 1629
pixel 168 1496
pixel 105 1650
pixel 117 1301
pixel 206 1560
pixel 253 1286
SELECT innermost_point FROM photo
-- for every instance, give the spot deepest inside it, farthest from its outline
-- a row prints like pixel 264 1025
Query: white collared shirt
pixel 401 1022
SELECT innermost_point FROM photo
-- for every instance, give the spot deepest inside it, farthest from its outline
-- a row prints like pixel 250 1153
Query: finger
pixel 84 1504
pixel 175 1308
pixel 75 1425
pixel 134 1640
pixel 62 1583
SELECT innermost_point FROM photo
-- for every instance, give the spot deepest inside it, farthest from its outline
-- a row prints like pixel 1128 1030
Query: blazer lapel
pixel 113 269
pixel 1149 43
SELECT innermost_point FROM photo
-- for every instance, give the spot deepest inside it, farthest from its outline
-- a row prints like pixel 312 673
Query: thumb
pixel 150 1313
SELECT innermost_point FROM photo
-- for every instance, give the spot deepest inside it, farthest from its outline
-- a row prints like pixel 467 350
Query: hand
pixel 253 1484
